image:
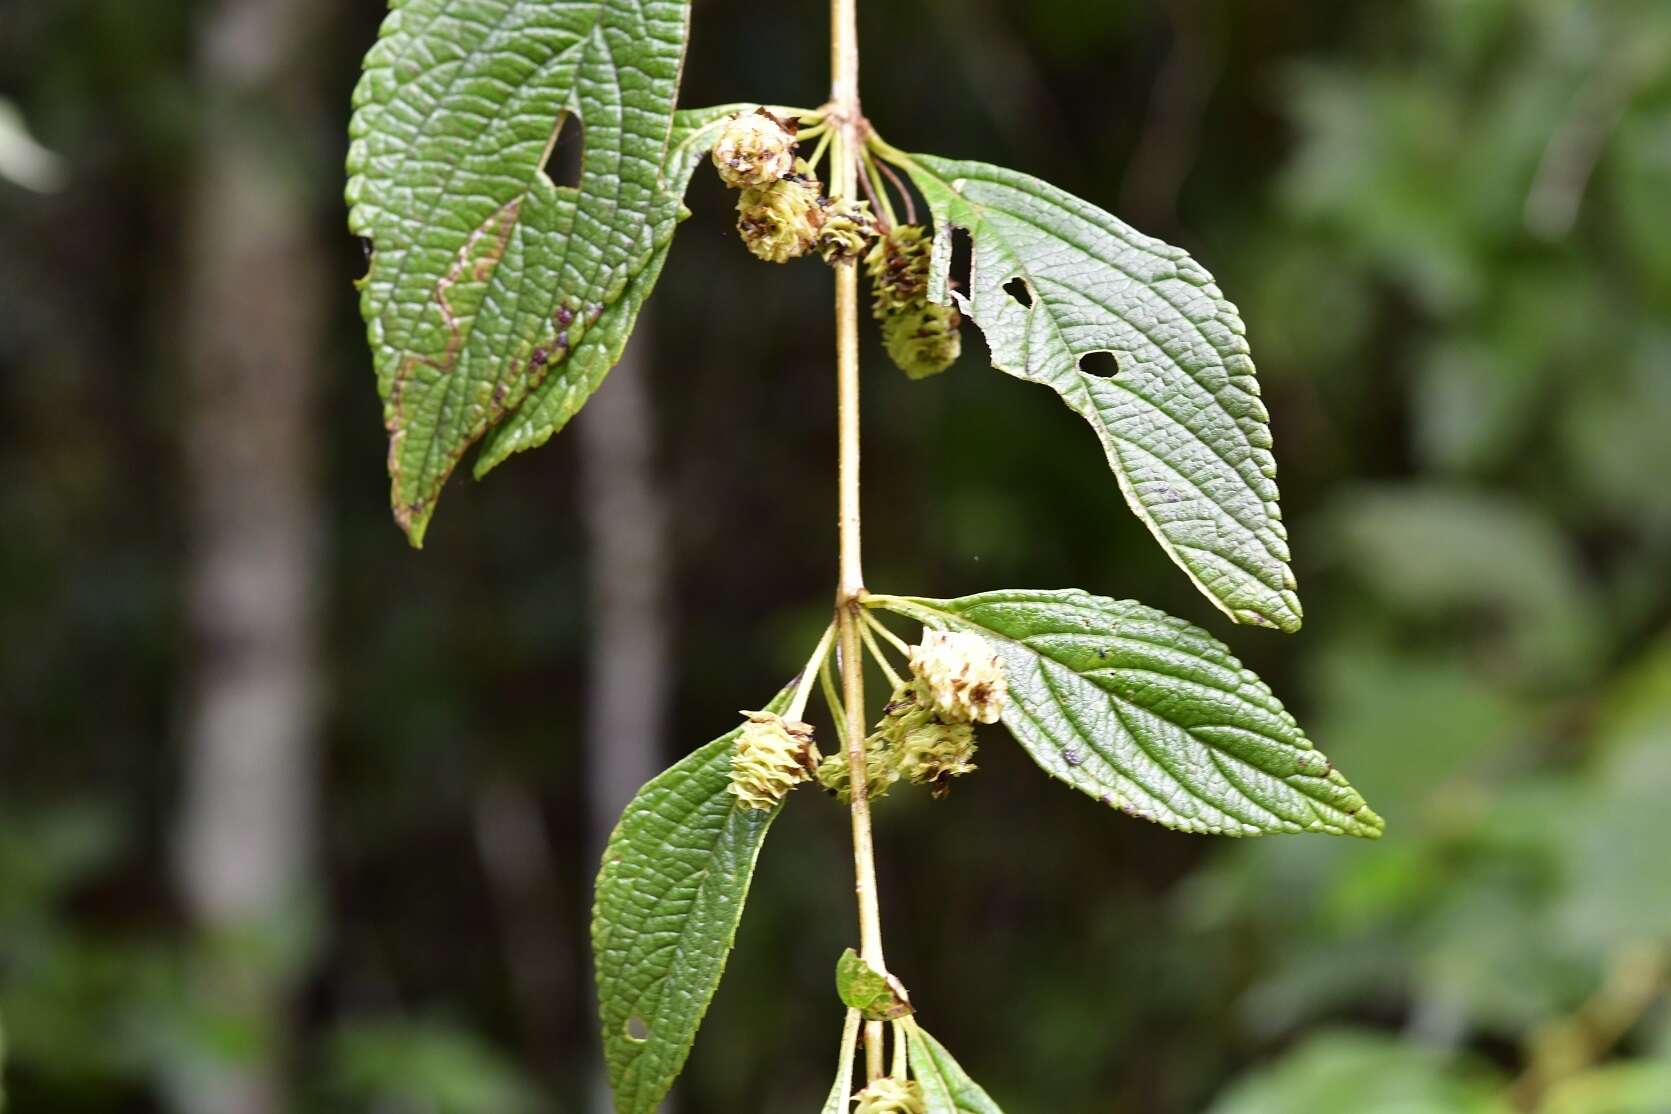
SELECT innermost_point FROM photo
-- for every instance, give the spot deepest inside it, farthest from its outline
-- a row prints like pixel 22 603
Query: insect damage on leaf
pixel 1055 282
pixel 485 275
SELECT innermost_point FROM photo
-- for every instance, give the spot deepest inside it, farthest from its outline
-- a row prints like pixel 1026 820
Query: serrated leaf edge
pixel 930 613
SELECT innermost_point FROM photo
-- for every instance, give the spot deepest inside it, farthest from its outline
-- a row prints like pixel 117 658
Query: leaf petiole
pixel 865 631
pixel 831 697
pixel 814 666
pixel 818 151
pixel 841 1091
pixel 881 628
pixel 877 190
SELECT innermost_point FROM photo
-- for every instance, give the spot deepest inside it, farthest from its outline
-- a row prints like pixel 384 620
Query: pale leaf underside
pixel 1181 421
pixel 1151 715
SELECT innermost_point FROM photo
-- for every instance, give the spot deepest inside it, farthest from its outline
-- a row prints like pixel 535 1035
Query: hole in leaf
pixel 1103 365
pixel 960 274
pixel 565 153
pixel 637 1030
pixel 1018 289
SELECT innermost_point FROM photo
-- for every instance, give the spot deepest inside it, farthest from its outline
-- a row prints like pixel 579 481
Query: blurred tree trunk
pixel 253 328
pixel 626 523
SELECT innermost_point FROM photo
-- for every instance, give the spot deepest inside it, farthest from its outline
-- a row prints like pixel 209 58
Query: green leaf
pixel 947 1089
pixel 485 275
pixel 675 876
pixel 1181 422
pixel 841 1091
pixel 1150 715
pixel 862 987
pixel 562 393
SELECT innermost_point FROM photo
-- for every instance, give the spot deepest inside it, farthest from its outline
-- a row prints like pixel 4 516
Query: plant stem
pixel 846 120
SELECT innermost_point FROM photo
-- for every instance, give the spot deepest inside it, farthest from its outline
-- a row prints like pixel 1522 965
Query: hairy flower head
pixel 924 340
pixel 891 1096
pixel 960 676
pixel 934 752
pixel 898 269
pixel 780 222
pixel 773 756
pixel 881 771
pixel 848 229
pixel 754 150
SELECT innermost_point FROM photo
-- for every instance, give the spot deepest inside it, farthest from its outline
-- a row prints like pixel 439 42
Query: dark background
pixel 293 817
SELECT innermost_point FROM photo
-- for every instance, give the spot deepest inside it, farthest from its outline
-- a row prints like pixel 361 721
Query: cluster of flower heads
pixel 773 756
pixel 783 214
pixel 927 733
pixel 888 1095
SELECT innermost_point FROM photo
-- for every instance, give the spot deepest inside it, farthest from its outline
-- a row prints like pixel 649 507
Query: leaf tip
pixel 1368 824
pixel 1283 614
pixel 413 519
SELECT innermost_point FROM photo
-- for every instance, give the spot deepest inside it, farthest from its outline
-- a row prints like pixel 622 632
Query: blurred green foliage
pixel 1448 223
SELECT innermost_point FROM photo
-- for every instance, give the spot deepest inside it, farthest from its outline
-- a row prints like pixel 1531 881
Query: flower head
pixel 934 752
pixel 898 269
pixel 924 340
pixel 891 1096
pixel 754 150
pixel 881 771
pixel 780 222
pixel 773 756
pixel 848 229
pixel 960 676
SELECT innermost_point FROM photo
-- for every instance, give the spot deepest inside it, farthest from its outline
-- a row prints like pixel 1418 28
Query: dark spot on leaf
pixel 563 340
pixel 1018 289
pixel 564 315
pixel 539 357
pixel 1072 757
pixel 637 1030
pixel 1103 365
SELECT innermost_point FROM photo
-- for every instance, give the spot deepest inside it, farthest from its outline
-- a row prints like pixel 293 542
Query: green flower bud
pixel 848 229
pixel 891 1096
pixel 754 150
pixel 933 753
pixel 924 340
pixel 898 268
pixel 773 756
pixel 960 676
pixel 881 771
pixel 781 221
